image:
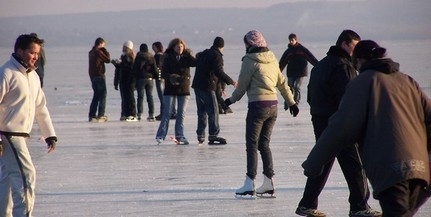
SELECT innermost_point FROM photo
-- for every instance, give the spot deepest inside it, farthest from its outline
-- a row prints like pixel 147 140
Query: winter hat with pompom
pixel 255 39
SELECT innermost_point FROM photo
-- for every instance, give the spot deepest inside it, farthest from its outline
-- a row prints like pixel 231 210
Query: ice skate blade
pixel 217 143
pixel 266 196
pixel 246 196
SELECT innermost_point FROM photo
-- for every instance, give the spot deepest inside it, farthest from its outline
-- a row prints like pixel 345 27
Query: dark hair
pixel 347 36
pixel 24 42
pixel 368 49
pixel 99 41
pixel 158 45
pixel 292 36
pixel 218 42
pixel 143 47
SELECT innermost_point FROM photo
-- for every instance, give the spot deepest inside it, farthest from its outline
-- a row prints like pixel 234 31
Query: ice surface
pixel 116 169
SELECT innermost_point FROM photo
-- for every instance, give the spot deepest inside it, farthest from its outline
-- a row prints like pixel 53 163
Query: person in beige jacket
pixel 260 77
pixel 21 102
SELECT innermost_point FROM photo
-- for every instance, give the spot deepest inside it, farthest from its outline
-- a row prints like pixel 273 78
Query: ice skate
pixel 247 189
pixel 215 140
pixel 267 189
pixel 201 140
pixel 159 140
pixel 179 141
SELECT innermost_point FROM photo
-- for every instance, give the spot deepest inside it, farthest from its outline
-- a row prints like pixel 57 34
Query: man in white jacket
pixel 21 102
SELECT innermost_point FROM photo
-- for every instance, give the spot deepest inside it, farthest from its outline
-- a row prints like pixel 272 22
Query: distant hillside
pixel 312 21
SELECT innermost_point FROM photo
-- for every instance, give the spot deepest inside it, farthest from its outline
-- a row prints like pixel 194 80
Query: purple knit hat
pixel 255 39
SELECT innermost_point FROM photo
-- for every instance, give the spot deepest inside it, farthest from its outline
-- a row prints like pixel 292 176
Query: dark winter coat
pixel 296 57
pixel 158 57
pixel 144 66
pixel 123 72
pixel 177 73
pixel 97 59
pixel 388 114
pixel 328 82
pixel 209 69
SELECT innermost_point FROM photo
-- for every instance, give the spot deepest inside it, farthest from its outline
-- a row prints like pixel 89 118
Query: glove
pixel 51 142
pixel 294 110
pixel 286 106
pixel 227 102
pixel 116 87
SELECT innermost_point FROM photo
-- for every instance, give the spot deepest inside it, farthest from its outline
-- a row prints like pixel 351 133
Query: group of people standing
pixel 366 121
pixel 132 72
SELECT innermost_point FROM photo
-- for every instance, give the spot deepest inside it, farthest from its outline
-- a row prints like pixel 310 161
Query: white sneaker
pixel 131 119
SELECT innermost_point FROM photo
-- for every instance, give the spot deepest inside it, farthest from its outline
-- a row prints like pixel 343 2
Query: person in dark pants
pixel 260 78
pixel 326 87
pixel 296 57
pixel 145 70
pixel 220 92
pixel 209 70
pixel 126 81
pixel 389 115
pixel 98 57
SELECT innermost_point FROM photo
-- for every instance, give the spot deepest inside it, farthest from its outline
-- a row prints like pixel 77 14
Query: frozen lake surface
pixel 116 169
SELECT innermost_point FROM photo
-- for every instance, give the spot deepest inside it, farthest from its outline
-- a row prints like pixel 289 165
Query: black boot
pixel 215 140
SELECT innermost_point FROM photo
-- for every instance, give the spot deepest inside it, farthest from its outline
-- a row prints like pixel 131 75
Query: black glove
pixel 286 106
pixel 227 102
pixel 294 110
pixel 51 143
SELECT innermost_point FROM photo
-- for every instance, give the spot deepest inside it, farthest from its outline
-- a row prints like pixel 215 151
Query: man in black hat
pixel 209 69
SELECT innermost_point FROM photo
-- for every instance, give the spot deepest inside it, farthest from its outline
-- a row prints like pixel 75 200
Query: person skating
pixel 209 70
pixel 259 78
pixel 176 72
pixel 22 101
pixel 389 115
pixel 295 58
pixel 328 80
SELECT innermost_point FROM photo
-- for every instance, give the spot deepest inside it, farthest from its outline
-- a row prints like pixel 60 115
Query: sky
pixel 9 8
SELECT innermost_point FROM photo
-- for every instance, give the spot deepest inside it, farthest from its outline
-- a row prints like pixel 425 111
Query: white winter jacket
pixel 22 100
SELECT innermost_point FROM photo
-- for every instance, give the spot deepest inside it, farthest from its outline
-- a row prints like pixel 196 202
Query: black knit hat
pixel 368 49
pixel 218 42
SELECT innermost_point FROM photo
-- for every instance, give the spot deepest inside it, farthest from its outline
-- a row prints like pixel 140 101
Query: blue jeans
pixel 160 86
pixel 295 86
pixel 145 85
pixel 169 101
pixel 207 109
pixel 99 97
pixel 259 124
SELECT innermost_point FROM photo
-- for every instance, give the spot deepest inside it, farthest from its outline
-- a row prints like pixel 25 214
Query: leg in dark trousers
pixel 400 200
pixel 351 166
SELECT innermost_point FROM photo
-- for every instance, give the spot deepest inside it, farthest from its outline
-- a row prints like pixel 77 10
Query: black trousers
pixel 401 199
pixel 351 166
